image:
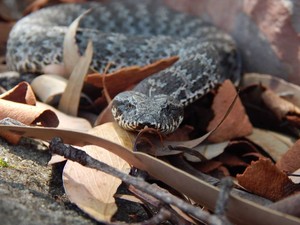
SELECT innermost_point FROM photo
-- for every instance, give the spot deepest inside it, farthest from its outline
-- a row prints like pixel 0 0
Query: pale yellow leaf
pixel 209 151
pixel 69 101
pixel 273 143
pixel 49 87
pixel 71 54
pixel 91 190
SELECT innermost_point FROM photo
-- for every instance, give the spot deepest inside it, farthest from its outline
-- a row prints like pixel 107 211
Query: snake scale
pixel 133 32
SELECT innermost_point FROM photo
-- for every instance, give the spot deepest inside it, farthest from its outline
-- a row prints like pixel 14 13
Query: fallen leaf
pixel 67 121
pixel 279 106
pixel 91 190
pixel 69 101
pixel 239 210
pixel 275 144
pixel 208 166
pixel 128 76
pixel 26 114
pixel 289 205
pixel 105 116
pixel 209 151
pixel 265 179
pixel 290 161
pixel 49 87
pixel 284 89
pixel 236 124
pixel 22 93
pixel 296 178
pixel 71 54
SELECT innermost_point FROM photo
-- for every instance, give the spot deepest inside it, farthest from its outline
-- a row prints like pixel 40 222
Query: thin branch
pixel 225 186
pixel 58 147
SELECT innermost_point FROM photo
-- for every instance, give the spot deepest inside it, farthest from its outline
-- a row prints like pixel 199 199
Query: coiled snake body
pixel 133 32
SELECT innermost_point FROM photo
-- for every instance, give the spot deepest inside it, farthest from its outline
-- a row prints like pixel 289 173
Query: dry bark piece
pixel 265 179
pixel 290 161
pixel 22 93
pixel 236 124
pixel 124 78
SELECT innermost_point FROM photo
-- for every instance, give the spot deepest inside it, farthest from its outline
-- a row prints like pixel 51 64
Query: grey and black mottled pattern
pixel 133 32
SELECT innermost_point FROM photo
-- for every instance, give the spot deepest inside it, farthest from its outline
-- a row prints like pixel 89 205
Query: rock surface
pixel 31 193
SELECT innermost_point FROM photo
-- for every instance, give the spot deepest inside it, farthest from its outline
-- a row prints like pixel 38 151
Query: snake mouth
pixel 136 126
pixel 164 127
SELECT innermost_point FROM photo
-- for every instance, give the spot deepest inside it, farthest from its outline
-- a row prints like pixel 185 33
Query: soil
pixel 31 191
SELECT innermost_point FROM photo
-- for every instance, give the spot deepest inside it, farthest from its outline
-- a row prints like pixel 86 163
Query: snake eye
pixel 129 106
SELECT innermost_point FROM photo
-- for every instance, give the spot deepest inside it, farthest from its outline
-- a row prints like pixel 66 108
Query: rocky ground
pixel 31 191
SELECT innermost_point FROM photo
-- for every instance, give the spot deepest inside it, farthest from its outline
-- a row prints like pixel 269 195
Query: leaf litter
pixel 237 151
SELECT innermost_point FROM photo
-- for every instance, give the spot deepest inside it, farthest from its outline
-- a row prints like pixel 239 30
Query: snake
pixel 127 33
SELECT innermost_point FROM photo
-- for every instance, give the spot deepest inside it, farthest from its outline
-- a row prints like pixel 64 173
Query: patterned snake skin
pixel 133 32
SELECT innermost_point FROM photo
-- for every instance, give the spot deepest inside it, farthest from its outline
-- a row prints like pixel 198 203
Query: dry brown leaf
pixel 48 87
pixel 91 190
pixel 290 161
pixel 231 160
pixel 239 210
pixel 38 4
pixel 22 93
pixel 105 116
pixel 265 179
pixel 124 78
pixel 236 124
pixel 26 114
pixel 67 121
pixel 279 106
pixel 286 90
pixel 275 144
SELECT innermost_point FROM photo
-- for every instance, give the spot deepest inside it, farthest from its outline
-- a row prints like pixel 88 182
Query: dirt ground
pixel 31 191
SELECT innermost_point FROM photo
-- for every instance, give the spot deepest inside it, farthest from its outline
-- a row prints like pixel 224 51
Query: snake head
pixel 136 111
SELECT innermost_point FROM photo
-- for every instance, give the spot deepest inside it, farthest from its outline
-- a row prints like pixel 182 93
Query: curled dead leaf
pixel 26 114
pixel 284 89
pixel 279 106
pixel 21 93
pixel 49 87
pixel 265 179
